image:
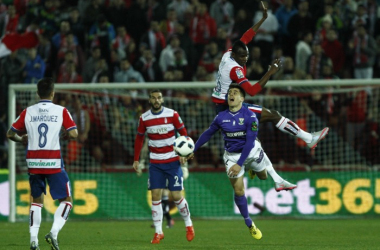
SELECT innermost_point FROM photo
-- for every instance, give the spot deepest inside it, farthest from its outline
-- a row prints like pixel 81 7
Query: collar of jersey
pixel 234 113
pixel 159 113
pixel 45 100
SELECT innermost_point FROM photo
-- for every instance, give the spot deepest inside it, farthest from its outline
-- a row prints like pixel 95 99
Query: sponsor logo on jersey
pixel 42 164
pixel 226 121
pixel 43 110
pixel 241 121
pixel 254 126
pixel 239 73
pixel 162 130
pixel 236 134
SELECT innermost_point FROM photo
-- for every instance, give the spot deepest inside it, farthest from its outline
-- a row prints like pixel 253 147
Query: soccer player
pixel 232 68
pixel 239 127
pixel 160 123
pixel 40 125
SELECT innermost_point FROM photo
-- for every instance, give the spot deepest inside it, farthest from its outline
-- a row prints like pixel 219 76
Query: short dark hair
pixel 237 86
pixel 154 91
pixel 238 45
pixel 45 87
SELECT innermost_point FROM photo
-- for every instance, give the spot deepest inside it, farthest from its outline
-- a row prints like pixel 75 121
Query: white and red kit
pixel 230 71
pixel 42 122
pixel 160 128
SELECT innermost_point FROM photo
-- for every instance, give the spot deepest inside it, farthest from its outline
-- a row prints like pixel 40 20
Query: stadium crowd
pixel 92 41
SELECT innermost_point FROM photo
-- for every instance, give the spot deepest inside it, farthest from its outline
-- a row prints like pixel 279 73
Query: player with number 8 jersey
pixel 41 125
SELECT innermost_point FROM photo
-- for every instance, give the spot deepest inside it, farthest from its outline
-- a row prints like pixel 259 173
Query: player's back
pixel 224 80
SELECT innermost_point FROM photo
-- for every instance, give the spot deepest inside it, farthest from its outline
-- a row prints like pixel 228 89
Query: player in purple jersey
pixel 239 127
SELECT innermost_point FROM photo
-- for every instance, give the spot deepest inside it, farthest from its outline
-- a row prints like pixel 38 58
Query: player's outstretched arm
pixel 273 68
pixel 250 34
pixel 257 25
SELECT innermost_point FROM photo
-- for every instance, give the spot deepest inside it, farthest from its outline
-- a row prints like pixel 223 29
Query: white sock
pixel 183 209
pixel 273 174
pixel 289 127
pixel 35 221
pixel 60 217
pixel 157 216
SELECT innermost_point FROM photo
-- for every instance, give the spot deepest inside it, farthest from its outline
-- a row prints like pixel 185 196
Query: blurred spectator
pixel 299 23
pixel 361 17
pixel 167 26
pixel 207 60
pixel 34 67
pixel 44 48
pixel 101 67
pixel 179 67
pixel 137 22
pixel 131 52
pixel 336 22
pixel 70 45
pixel 363 48
pixel 167 55
pixel 121 41
pixel 185 42
pixel 32 11
pixel 201 75
pixel 126 72
pixel 70 74
pixel 202 29
pixel 59 39
pixel 11 21
pixel 334 49
pixel 92 12
pixel 101 34
pixel 48 17
pixel 316 61
pixel 265 36
pixel 283 15
pixel 156 10
pixel 114 65
pixel 328 72
pixel 289 72
pixel 89 66
pixel 327 25
pixel 223 13
pixel 11 70
pixel 303 50
pixel 154 39
pixel 180 7
pixel 223 41
pixel 117 12
pixel 242 24
pixel 256 67
pixel 147 65
pixel 77 26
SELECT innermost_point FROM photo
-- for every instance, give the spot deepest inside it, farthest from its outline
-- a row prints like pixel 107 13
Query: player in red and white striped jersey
pixel 232 68
pixel 160 123
pixel 40 125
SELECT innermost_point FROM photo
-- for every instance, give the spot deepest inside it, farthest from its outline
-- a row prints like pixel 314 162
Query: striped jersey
pixel 42 122
pixel 160 128
pixel 229 71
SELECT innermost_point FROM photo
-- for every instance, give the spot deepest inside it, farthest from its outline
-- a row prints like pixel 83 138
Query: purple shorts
pixel 166 175
pixel 59 184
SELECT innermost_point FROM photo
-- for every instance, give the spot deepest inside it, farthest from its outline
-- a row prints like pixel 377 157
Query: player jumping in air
pixel 232 69
pixel 42 123
pixel 160 123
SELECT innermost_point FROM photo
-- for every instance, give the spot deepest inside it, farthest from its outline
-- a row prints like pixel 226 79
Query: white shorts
pixel 257 160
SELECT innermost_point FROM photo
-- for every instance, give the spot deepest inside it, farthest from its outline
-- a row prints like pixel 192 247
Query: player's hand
pixel 136 166
pixel 265 10
pixel 24 139
pixel 274 67
pixel 234 170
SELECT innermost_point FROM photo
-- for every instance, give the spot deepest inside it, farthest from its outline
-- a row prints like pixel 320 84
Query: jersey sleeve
pixel 141 127
pixel 19 124
pixel 248 36
pixel 251 134
pixel 237 75
pixel 68 122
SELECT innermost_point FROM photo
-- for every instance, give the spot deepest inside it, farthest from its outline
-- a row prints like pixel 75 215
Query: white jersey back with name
pixel 224 80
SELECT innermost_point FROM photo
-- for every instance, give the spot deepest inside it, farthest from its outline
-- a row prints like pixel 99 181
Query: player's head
pixel 45 88
pixel 236 95
pixel 240 52
pixel 156 100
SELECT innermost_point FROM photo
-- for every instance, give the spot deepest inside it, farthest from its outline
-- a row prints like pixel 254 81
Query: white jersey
pixel 160 128
pixel 229 71
pixel 42 122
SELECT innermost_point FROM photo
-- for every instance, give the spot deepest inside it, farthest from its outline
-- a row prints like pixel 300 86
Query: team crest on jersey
pixel 241 121
pixel 239 73
pixel 254 126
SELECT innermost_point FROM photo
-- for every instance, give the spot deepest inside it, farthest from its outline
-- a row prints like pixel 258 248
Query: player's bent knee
pixel 270 115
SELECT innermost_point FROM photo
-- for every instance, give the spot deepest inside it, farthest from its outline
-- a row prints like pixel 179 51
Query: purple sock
pixel 241 203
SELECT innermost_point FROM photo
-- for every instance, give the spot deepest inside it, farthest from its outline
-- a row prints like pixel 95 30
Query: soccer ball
pixel 183 146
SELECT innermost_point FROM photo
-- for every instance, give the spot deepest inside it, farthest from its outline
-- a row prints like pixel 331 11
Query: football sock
pixel 273 174
pixel 165 208
pixel 241 203
pixel 157 216
pixel 35 221
pixel 183 209
pixel 289 127
pixel 60 217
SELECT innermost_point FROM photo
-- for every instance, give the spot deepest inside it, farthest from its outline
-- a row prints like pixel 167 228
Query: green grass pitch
pixel 209 235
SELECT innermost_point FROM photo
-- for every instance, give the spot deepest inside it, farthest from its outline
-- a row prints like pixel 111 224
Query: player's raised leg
pixel 289 127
